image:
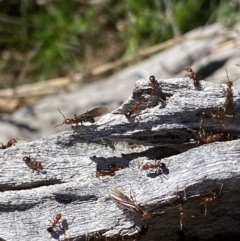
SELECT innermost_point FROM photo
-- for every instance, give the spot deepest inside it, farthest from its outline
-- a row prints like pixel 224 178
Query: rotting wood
pixel 68 182
pixel 176 108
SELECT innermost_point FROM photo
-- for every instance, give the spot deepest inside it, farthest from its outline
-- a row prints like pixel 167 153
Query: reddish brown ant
pixel 180 200
pixel 158 166
pixel 153 83
pixel 210 198
pixel 9 144
pixel 124 202
pixel 55 221
pixel 135 107
pixel 229 105
pixel 218 137
pixel 101 173
pixel 85 117
pixel 154 91
pixel 229 111
pixel 111 172
pixel 71 121
pixel 203 138
pixel 192 75
pixel 35 165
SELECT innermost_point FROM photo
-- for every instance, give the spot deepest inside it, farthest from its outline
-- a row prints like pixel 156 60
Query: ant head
pixel 50 229
pixel 152 78
pixel 147 215
pixel 145 166
pixel 229 84
pixel 58 216
pixel 188 69
pixel 26 159
pixel 112 173
pixel 128 114
pixel 162 165
pixel 66 121
pixel 13 141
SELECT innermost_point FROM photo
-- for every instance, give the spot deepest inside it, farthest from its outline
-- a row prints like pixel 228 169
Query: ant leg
pixel 132 195
pixel 185 195
pixel 205 213
pixel 87 236
pixel 220 192
pixel 182 215
pixel 180 223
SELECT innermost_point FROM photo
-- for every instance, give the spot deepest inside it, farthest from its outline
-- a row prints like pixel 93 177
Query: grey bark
pixel 159 129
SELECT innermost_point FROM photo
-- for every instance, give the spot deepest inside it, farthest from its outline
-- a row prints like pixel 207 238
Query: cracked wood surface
pixel 68 182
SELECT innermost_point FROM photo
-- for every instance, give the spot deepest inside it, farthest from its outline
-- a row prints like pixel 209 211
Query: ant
pixel 124 202
pixel 159 166
pixel 203 138
pixel 101 173
pixel 111 172
pixel 135 107
pixel 210 198
pixel 9 144
pixel 153 83
pixel 72 121
pixel 55 221
pixel 154 90
pixel 85 117
pixel 229 106
pixel 35 165
pixel 192 75
pixel 181 198
pixel 218 137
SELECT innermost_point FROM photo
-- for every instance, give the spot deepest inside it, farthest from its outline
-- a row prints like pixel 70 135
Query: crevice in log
pixel 20 208
pixel 26 186
pixel 68 198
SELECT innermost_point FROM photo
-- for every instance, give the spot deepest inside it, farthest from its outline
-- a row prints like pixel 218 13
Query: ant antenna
pixel 63 117
pixel 220 192
pixel 228 76
pixel 62 114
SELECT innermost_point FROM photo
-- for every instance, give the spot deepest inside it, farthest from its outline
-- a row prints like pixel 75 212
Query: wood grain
pixel 68 182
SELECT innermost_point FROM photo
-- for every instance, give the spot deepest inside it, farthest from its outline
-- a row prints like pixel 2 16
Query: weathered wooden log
pixel 159 129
